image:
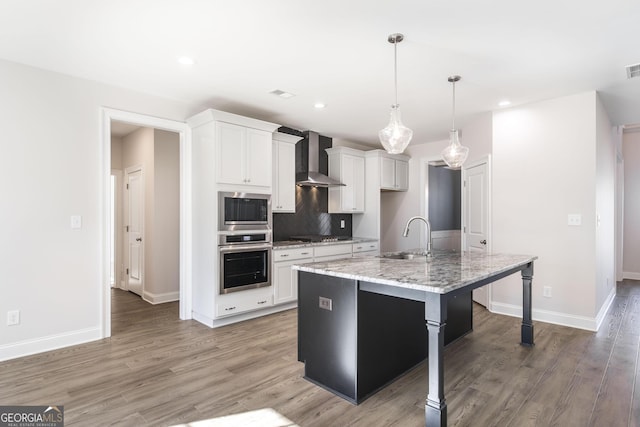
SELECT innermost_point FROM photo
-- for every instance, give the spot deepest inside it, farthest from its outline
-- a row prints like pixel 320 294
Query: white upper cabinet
pixel 283 198
pixel 347 166
pixel 394 172
pixel 243 155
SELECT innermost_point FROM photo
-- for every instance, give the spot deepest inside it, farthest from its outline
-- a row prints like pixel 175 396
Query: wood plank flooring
pixel 157 370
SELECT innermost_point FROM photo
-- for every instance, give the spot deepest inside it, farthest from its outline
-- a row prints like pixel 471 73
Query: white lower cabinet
pixel 331 252
pixel 366 249
pixel 283 278
pixel 243 301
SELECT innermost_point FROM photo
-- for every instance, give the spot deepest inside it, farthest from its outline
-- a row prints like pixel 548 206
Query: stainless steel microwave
pixel 244 211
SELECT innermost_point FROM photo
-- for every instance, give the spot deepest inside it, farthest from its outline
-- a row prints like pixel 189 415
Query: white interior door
pixel 476 216
pixel 134 230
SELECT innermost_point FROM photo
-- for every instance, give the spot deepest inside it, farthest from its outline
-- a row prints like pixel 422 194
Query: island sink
pixel 406 255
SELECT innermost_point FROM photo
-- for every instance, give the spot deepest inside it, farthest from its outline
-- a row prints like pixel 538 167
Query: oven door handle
pixel 243 248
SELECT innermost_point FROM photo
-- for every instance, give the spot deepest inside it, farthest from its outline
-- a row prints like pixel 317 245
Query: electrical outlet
pixel 342 224
pixel 13 317
pixel 574 219
pixel 546 291
pixel 76 222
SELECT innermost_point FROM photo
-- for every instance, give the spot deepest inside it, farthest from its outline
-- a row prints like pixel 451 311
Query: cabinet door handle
pixel 262 302
pixel 284 255
pixel 304 253
pixel 229 308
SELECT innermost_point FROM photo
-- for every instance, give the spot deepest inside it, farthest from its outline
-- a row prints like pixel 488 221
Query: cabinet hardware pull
pixel 230 308
pixel 262 302
pixel 284 255
pixel 304 253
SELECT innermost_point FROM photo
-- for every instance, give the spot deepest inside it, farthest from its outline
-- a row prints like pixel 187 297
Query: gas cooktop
pixel 319 238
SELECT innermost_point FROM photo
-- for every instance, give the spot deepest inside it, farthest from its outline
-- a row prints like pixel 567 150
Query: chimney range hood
pixel 308 156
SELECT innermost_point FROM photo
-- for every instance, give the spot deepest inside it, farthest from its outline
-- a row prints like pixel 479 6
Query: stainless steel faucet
pixel 427 232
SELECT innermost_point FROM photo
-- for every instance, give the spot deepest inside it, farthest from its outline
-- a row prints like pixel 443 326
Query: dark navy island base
pixel 361 322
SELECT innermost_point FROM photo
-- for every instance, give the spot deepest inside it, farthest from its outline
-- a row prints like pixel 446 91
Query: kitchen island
pixel 377 290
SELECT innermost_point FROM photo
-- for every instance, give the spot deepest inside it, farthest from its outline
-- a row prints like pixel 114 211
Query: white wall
pixel 631 258
pixel 116 152
pixel 544 168
pixel 137 151
pixel 398 207
pixel 157 151
pixel 605 208
pixel 51 168
pixel 166 226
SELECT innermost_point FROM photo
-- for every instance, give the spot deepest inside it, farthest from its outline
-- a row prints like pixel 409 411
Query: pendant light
pixel 396 136
pixel 455 154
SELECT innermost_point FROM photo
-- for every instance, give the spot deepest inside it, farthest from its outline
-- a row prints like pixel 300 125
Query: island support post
pixel 435 316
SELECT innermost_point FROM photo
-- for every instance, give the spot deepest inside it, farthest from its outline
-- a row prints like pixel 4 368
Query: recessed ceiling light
pixel 282 93
pixel 185 60
pixel 504 103
pixel 319 105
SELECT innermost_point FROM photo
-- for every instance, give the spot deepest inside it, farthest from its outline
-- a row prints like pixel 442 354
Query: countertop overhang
pixel 444 273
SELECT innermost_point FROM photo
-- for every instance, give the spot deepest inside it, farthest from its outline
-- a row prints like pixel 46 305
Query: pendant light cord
pixel 453 108
pixel 395 69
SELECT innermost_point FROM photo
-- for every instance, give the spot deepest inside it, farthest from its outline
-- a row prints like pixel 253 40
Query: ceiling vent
pixel 633 71
pixel 282 93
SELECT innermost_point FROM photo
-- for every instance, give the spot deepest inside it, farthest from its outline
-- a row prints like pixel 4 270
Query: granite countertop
pixel 445 272
pixel 289 244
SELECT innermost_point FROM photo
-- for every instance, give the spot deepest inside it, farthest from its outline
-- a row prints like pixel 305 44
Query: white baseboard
pixel 216 323
pixel 605 308
pixel 161 298
pixel 563 319
pixel 51 342
pixel 630 275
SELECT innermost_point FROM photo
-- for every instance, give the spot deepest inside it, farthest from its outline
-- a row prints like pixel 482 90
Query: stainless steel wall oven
pixel 244 246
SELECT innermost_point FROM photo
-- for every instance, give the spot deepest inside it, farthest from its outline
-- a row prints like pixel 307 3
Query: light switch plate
pixel 574 219
pixel 76 222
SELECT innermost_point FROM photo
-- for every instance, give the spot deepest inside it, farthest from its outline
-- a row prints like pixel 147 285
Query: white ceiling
pixel 337 52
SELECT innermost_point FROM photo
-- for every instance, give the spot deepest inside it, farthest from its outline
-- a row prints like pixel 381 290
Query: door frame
pixel 184 132
pixel 486 159
pixel 126 251
pixel 117 236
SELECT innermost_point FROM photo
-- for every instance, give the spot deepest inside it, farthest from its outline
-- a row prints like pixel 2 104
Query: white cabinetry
pixel 394 172
pixel 243 301
pixel 226 150
pixel 331 252
pixel 283 278
pixel 347 166
pixel 283 197
pixel 243 155
pixel 366 249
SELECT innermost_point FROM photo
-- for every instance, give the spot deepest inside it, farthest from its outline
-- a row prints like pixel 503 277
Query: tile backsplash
pixel 311 216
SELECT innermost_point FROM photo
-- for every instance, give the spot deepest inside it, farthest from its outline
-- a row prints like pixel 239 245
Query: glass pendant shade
pixel 396 136
pixel 455 154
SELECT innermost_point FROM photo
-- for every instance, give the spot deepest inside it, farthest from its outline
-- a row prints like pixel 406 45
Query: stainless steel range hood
pixel 308 163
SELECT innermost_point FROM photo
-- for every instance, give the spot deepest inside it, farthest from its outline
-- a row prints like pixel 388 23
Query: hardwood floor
pixel 158 370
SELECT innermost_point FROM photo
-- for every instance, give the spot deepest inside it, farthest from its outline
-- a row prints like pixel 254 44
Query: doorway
pixel 184 136
pixel 476 216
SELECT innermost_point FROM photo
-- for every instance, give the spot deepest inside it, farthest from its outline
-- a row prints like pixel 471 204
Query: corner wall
pixel 51 125
pixel 544 168
pixel 631 251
